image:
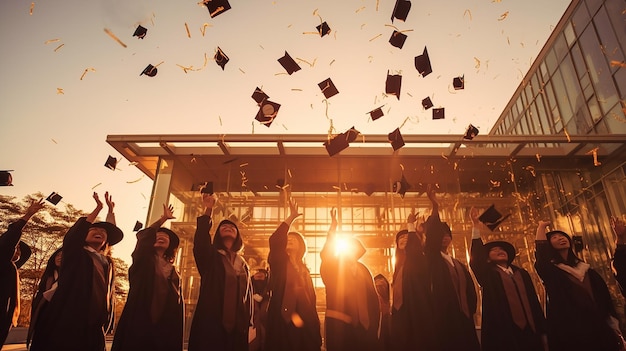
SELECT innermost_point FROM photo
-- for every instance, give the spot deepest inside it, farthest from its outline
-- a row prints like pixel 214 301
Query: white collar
pixel 578 271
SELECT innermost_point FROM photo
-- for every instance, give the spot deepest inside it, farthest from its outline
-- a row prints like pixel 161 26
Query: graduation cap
pixel 376 113
pixel 422 63
pixel 6 179
pixel 220 58
pixel 140 32
pixel 492 218
pixel 393 84
pixel 439 113
pixel 427 103
pixel 328 88
pixel 259 96
pixel 401 10
pixel 397 39
pixel 396 140
pixel 54 198
pixel 138 226
pixel 289 64
pixel 341 142
pixel 401 186
pixel 470 132
pixel 25 252
pixel 267 112
pixel 323 29
pixel 111 163
pixel 150 71
pixel 458 83
pixel 216 7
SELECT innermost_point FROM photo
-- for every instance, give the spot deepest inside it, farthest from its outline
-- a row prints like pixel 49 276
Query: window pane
pixel 599 69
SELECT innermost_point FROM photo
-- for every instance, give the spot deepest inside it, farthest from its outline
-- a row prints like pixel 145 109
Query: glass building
pixel 557 152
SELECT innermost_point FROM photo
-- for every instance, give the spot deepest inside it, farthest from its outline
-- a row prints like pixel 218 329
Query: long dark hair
pixel 219 243
pixel 555 257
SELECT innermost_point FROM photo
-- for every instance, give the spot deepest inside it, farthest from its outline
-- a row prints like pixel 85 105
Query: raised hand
pixel 412 218
pixel 293 211
pixel 109 200
pixel 168 212
pixel 209 200
pixel 34 207
pixel 474 216
pixel 97 199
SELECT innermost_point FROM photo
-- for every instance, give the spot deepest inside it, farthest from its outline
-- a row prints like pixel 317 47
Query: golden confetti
pixel 243 164
pixel 594 152
pixel 185 69
pixel 402 167
pixel 95 186
pixel 615 63
pixel 569 140
pixel 494 183
pixel 204 27
pixel 444 156
pixel 60 91
pixel 360 9
pixel 376 37
pixel 289 172
pixel 58 47
pixel 87 70
pixel 135 181
pixel 107 31
pixel 242 71
pixel 52 41
pixel 331 62
pixel 469 13
pixel 187 29
pixel 477 61
pixel 503 16
pixel 220 118
pixel 32 7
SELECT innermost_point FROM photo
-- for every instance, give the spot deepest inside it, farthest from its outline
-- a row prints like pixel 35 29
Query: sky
pixel 65 83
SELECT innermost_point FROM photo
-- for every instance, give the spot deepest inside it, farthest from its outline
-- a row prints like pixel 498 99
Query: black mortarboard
pixel 340 142
pixel 54 198
pixel 328 88
pixel 6 179
pixel 267 112
pixel 492 218
pixel 427 103
pixel 376 113
pixel 140 32
pixel 259 96
pixel 111 163
pixel 206 188
pixel 401 10
pixel 150 71
pixel 289 64
pixel 470 133
pixel 397 39
pixel 439 113
pixel 401 186
pixel 393 84
pixel 422 63
pixel 220 58
pixel 138 226
pixel 323 29
pixel 396 140
pixel 505 245
pixel 216 7
pixel 458 83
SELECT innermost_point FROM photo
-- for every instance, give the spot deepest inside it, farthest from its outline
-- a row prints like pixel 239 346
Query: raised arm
pixel 110 205
pixel 278 240
pixel 12 236
pixel 477 262
pixel 619 258
pixel 434 235
pixel 542 259
pixel 94 214
pixel 202 248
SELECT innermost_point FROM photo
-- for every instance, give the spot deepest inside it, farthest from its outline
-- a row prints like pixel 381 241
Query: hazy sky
pixel 54 124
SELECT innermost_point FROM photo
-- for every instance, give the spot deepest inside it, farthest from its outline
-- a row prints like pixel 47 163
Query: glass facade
pixel 575 89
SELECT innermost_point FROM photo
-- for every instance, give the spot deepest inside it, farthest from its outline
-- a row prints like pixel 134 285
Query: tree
pixel 44 234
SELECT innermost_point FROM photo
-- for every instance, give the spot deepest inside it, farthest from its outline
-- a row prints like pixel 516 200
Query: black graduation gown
pixel 39 303
pixel 619 265
pixel 453 329
pixel 498 330
pixel 136 330
pixel 340 296
pixel 8 276
pixel 576 322
pixel 282 335
pixel 207 331
pixel 411 324
pixel 70 323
